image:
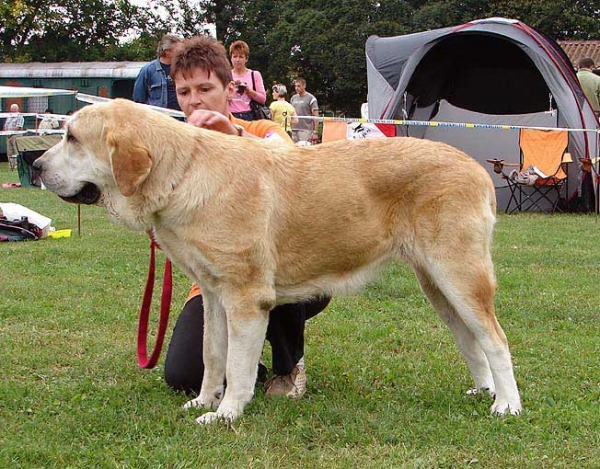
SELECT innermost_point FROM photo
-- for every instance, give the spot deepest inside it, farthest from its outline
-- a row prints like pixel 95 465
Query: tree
pixel 185 17
pixel 326 46
pixel 52 31
pixel 559 19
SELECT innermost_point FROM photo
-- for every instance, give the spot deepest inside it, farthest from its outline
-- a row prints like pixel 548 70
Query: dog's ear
pixel 130 162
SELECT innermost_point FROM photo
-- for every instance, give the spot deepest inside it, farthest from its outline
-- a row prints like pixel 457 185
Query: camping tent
pixel 492 71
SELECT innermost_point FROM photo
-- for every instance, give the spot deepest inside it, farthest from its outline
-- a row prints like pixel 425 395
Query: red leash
pixel 165 305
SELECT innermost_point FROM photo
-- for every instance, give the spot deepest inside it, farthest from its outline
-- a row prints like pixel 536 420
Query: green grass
pixel 386 382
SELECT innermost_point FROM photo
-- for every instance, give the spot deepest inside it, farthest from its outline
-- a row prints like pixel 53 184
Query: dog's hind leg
pixel 463 295
pixel 247 320
pixel 468 345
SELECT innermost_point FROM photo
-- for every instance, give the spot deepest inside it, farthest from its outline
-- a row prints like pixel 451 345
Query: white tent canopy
pixel 25 92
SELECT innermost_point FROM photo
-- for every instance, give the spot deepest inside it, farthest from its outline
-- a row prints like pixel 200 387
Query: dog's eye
pixel 71 138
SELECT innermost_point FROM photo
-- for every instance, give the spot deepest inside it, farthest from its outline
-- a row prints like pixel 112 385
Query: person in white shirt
pixel 49 122
pixel 13 123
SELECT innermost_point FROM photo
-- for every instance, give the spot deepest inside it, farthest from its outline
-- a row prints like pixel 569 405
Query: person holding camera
pixel 248 83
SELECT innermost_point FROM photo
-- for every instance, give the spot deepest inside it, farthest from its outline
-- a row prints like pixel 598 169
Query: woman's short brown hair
pixel 241 47
pixel 205 53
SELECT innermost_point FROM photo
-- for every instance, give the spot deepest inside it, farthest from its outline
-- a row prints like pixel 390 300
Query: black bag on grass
pixel 18 230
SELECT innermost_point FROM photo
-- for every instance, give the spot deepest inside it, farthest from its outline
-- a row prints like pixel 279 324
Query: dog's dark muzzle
pixel 88 195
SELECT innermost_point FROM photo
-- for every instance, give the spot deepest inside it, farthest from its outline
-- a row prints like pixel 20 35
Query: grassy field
pixel 386 382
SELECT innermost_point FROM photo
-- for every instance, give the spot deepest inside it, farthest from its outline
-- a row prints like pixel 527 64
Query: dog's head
pixel 105 155
pixel 99 152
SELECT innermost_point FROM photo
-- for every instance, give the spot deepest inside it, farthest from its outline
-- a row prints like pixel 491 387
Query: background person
pixel 13 123
pixel 590 83
pixel 305 130
pixel 239 104
pixel 283 112
pixel 49 122
pixel 154 85
pixel 202 77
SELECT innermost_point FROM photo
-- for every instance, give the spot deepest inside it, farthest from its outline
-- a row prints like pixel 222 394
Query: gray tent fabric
pixel 490 71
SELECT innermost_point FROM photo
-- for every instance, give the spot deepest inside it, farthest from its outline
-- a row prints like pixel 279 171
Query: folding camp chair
pixel 538 183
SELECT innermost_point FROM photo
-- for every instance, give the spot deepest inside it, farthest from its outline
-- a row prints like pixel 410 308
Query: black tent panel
pixel 482 73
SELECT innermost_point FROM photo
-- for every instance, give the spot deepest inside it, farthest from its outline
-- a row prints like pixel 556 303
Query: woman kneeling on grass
pixel 204 86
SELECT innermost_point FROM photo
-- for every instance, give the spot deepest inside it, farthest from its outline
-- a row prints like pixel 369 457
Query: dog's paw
pixel 506 407
pixel 207 418
pixel 210 417
pixel 206 400
pixel 195 404
pixel 200 403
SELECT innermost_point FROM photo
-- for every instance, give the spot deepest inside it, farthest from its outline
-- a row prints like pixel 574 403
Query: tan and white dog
pixel 256 224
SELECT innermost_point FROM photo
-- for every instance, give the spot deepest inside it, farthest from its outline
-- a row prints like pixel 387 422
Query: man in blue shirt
pixel 154 85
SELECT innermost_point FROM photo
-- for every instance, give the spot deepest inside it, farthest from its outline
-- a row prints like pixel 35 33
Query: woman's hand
pixel 241 87
pixel 212 120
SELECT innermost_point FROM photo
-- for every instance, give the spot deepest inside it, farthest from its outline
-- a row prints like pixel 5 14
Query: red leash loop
pixel 165 305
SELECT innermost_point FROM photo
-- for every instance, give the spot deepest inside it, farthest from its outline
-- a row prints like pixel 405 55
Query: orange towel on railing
pixel 333 130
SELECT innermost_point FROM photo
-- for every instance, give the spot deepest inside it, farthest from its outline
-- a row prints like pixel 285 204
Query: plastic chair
pixel 537 184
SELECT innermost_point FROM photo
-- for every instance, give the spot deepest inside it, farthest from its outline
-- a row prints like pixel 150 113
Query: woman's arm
pixel 259 94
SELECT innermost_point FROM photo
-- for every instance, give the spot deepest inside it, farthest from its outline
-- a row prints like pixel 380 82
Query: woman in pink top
pixel 242 78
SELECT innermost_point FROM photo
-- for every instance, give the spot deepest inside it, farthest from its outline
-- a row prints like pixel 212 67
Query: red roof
pixel 579 49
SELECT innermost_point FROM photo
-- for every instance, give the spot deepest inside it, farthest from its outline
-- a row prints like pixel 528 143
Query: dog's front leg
pixel 247 326
pixel 214 354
